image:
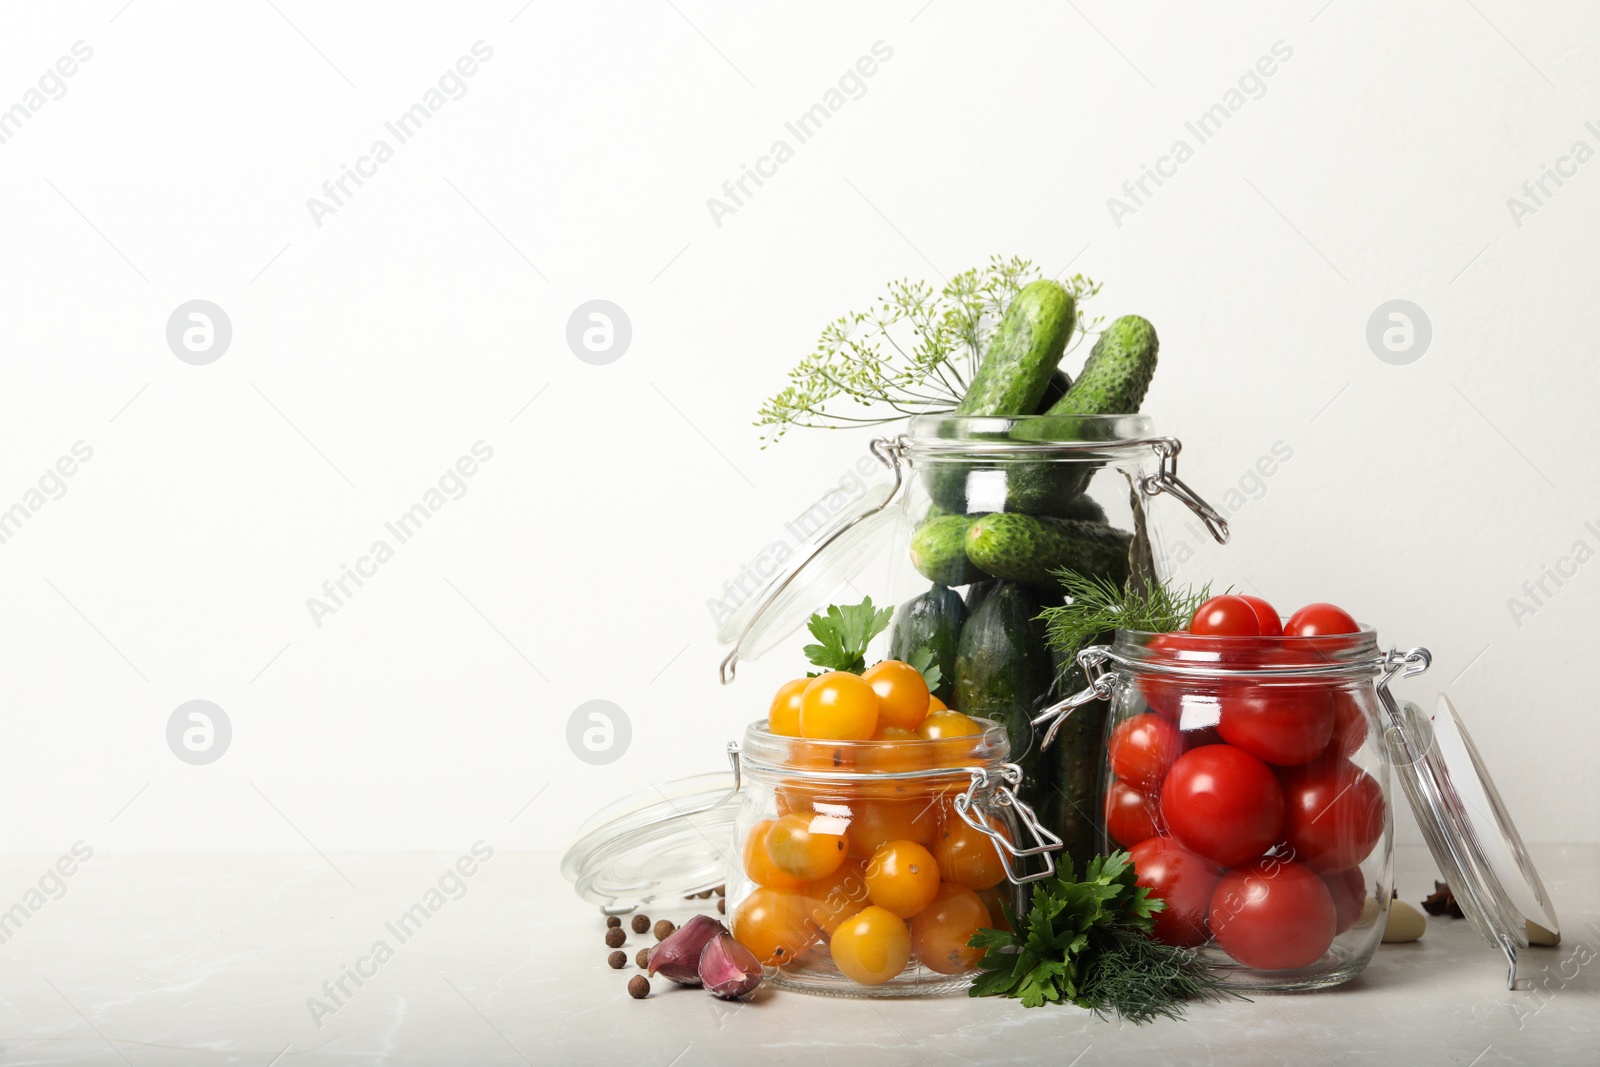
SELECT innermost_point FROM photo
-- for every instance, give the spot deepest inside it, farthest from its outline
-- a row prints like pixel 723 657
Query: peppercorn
pixel 613 921
pixel 641 923
pixel 664 929
pixel 722 907
pixel 638 987
pixel 615 937
pixel 617 960
pixel 643 958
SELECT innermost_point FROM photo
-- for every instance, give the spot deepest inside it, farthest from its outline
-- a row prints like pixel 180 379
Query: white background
pixel 425 314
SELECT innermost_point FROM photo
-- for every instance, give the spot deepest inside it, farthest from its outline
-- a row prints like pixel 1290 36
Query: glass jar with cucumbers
pixel 1024 474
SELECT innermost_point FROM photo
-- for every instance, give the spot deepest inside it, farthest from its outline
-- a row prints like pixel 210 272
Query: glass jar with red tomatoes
pixel 863 868
pixel 1249 778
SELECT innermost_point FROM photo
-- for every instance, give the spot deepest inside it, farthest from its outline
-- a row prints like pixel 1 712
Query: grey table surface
pixel 224 960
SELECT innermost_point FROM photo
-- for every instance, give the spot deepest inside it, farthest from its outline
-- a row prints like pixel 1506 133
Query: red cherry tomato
pixel 1333 813
pixel 1223 803
pixel 1273 915
pixel 1320 620
pixel 1184 881
pixel 1142 748
pixel 1225 616
pixel 1349 722
pixel 1130 815
pixel 1266 616
pixel 1282 724
pixel 1349 892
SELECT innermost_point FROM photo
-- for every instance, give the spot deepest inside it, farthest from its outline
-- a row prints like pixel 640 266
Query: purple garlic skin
pixel 678 955
pixel 728 969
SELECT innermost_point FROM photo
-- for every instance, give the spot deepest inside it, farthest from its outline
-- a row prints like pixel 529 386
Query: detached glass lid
pixel 665 842
pixel 1468 828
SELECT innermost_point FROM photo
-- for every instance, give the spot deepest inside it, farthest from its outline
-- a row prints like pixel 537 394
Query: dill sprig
pixel 1141 980
pixel 1097 606
pixel 912 353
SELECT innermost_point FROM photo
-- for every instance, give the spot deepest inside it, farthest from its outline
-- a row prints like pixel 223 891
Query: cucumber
pixel 979 591
pixel 1084 509
pixel 938 551
pixel 1023 548
pixel 1003 672
pixel 1017 370
pixel 931 621
pixel 1117 372
pixel 1023 352
pixel 1054 390
pixel 1077 761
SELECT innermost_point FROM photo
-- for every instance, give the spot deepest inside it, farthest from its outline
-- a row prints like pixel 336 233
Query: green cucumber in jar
pixel 1017 370
pixel 1025 548
pixel 1023 352
pixel 931 622
pixel 938 551
pixel 1003 672
pixel 1117 373
pixel 1076 756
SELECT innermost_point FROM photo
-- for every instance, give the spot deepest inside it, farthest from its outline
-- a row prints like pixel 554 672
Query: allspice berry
pixel 613 921
pixel 615 937
pixel 641 923
pixel 664 928
pixel 722 907
pixel 721 891
pixel 638 987
pixel 643 958
pixel 617 960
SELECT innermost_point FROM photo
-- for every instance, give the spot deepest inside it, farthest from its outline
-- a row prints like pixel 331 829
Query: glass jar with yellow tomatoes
pixel 879 831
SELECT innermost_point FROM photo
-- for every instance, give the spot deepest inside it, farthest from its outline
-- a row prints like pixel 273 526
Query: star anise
pixel 1442 902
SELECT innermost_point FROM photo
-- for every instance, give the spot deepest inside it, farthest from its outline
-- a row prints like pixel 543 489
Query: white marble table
pixel 212 960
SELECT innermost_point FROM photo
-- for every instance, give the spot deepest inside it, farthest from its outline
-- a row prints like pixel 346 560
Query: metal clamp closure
pixel 1005 796
pixel 1166 480
pixel 1092 660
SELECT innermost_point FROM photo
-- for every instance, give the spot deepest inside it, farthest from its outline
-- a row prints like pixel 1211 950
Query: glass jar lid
pixel 664 842
pixel 1468 829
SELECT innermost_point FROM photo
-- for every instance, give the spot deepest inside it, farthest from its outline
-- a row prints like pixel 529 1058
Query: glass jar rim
pixel 933 435
pixel 766 754
pixel 1206 656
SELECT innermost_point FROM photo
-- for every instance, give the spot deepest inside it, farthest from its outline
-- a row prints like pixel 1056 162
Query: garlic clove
pixel 678 955
pixel 728 969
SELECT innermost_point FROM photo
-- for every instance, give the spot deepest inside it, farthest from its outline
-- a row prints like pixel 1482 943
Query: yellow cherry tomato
pixel 875 822
pixel 935 704
pixel 902 877
pixel 965 855
pixel 993 898
pixel 871 947
pixel 775 926
pixel 940 932
pixel 784 715
pixel 807 846
pixel 902 692
pixel 838 896
pixel 758 865
pixel 838 706
pixel 947 724
pixel 895 749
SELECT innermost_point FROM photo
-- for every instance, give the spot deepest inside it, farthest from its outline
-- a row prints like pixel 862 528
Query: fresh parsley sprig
pixel 1089 943
pixel 843 634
